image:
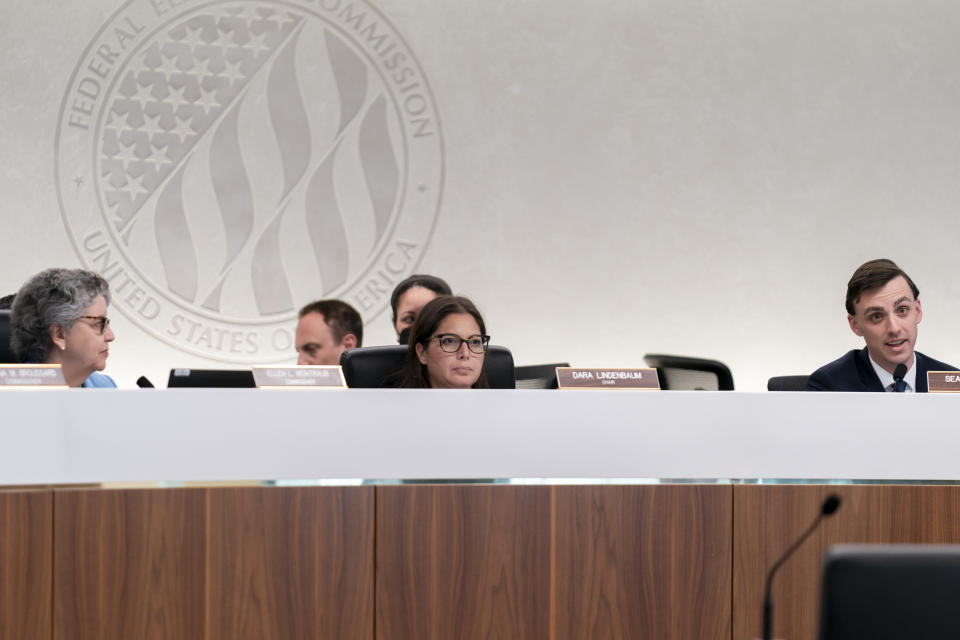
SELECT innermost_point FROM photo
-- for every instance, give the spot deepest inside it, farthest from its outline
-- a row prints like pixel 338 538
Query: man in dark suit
pixel 883 307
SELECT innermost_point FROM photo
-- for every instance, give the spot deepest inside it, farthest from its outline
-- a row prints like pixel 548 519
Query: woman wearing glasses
pixel 60 317
pixel 447 346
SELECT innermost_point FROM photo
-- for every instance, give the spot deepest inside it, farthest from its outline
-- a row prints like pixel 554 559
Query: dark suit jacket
pixel 853 372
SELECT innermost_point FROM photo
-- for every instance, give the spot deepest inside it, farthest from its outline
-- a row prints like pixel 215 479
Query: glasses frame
pixel 439 338
pixel 103 320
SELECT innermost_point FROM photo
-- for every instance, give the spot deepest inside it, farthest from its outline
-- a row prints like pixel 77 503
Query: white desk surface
pixel 204 435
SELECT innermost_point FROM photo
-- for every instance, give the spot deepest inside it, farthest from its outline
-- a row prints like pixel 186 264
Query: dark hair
pixel 414 374
pixel 55 297
pixel 871 275
pixel 6 302
pixel 339 316
pixel 433 283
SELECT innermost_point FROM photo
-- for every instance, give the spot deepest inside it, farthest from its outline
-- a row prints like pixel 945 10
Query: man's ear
pixel 854 325
pixel 422 358
pixel 919 312
pixel 349 341
pixel 58 336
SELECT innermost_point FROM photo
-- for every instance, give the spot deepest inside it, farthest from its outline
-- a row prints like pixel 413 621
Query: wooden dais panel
pixel 291 563
pixel 554 562
pixel 770 518
pixel 642 561
pixel 129 564
pixel 459 562
pixel 26 527
pixel 211 564
pixel 894 514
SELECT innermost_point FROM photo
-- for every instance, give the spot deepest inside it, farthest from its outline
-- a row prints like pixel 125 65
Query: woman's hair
pixel 433 283
pixel 414 374
pixel 55 297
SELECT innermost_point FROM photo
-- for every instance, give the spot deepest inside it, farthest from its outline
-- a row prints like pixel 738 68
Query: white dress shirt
pixel 886 378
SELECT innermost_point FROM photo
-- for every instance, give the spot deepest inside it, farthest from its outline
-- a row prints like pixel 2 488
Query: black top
pixel 854 372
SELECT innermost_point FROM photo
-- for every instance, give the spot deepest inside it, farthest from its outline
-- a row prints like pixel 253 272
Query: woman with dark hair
pixel 409 297
pixel 60 317
pixel 448 342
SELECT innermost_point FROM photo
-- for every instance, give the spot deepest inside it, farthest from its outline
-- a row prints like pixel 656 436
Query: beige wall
pixel 618 177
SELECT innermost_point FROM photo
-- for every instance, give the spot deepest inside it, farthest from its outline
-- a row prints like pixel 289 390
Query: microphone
pixel 143 383
pixel 404 337
pixel 899 372
pixel 829 506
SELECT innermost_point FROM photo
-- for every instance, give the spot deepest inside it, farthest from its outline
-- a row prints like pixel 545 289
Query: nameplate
pixel 32 376
pixel 301 377
pixel 576 378
pixel 943 381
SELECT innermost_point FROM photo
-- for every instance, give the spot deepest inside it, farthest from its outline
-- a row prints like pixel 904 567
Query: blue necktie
pixel 900 386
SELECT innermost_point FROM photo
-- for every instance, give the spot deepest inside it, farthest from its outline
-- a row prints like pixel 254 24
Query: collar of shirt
pixel 886 378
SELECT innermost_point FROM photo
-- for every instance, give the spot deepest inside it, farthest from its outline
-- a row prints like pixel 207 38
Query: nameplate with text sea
pixel 577 378
pixel 299 377
pixel 31 376
pixel 943 381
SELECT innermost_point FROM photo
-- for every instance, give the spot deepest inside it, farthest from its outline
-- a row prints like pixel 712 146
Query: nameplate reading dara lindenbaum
pixel 32 376
pixel 576 378
pixel 300 377
pixel 943 381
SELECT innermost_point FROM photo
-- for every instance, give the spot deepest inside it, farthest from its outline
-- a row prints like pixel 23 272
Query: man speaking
pixel 883 307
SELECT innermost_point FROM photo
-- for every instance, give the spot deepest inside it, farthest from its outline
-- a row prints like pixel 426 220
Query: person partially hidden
pixel 325 330
pixel 883 307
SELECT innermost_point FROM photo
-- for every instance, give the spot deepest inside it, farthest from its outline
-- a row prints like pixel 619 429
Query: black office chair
pixel 6 351
pixel 890 592
pixel 372 367
pixel 691 374
pixel 538 376
pixel 787 383
pixel 378 367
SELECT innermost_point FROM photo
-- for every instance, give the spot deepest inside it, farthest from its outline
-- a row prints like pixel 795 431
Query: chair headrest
pixel 378 367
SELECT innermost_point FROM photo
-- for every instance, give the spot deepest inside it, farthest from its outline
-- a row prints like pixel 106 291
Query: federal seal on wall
pixel 223 162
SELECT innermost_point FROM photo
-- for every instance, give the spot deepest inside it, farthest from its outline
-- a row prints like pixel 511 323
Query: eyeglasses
pixel 102 320
pixel 450 342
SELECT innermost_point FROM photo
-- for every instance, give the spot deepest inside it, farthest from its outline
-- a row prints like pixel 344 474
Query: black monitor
pixel 219 378
pixel 887 592
pixel 6 351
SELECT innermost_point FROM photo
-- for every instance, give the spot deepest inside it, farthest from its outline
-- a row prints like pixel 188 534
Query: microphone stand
pixel 829 506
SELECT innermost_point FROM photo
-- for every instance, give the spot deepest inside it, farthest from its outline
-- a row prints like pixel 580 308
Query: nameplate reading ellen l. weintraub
pixel 576 378
pixel 943 381
pixel 32 376
pixel 300 377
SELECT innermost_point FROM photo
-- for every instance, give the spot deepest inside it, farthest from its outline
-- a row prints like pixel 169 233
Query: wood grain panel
pixel 129 564
pixel 895 514
pixel 463 562
pixel 290 563
pixel 647 561
pixel 767 520
pixel 26 564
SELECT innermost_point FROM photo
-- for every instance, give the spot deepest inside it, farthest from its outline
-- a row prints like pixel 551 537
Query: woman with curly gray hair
pixel 60 317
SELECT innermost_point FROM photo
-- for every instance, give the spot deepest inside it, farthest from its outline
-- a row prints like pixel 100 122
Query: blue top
pixel 99 381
